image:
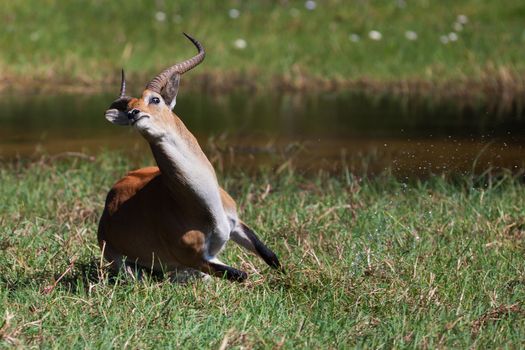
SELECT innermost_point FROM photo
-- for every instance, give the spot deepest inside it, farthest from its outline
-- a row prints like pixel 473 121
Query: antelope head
pixel 151 113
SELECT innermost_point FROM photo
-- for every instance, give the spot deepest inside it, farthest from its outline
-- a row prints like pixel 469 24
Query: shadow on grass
pixel 81 277
pixel 84 275
pixel 78 277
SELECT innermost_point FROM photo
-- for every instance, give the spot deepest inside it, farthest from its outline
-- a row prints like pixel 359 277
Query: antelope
pixel 173 217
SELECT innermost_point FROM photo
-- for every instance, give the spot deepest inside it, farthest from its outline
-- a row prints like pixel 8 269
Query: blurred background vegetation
pixel 263 44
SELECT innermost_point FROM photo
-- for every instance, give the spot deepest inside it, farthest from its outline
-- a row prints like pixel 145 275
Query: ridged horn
pixel 180 68
pixel 122 84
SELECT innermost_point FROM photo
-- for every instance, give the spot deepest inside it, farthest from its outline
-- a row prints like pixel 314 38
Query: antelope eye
pixel 154 100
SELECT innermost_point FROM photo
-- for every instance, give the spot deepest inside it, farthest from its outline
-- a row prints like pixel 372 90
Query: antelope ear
pixel 120 103
pixel 116 113
pixel 169 92
pixel 117 117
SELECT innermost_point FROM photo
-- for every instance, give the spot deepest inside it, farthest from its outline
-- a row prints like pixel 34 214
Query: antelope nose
pixel 133 113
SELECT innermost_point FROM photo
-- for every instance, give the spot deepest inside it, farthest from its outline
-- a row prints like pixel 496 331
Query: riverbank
pixel 370 262
pixel 498 91
pixel 470 52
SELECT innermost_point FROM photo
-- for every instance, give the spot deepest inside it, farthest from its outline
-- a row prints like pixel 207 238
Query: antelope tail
pixel 246 238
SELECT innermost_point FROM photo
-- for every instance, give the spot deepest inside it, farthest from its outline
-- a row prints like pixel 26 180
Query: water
pixel 310 132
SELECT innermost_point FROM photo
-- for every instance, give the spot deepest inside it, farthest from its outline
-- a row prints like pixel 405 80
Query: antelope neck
pixel 188 174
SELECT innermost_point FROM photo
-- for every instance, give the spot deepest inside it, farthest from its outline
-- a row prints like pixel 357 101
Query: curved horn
pixel 180 68
pixel 122 84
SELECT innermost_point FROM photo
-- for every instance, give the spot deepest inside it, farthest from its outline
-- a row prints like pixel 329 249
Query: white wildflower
pixel 240 44
pixel 452 36
pixel 354 37
pixel 234 13
pixel 375 35
pixel 411 35
pixel 462 19
pixel 160 16
pixel 443 39
pixel 458 27
pixel 310 5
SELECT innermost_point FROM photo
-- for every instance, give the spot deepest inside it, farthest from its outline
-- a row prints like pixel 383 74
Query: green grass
pixel 370 263
pixel 89 41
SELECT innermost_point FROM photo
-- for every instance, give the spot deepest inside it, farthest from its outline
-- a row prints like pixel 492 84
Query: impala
pixel 175 216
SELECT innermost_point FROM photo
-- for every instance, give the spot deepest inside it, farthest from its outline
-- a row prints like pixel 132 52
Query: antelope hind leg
pixel 218 269
pixel 184 275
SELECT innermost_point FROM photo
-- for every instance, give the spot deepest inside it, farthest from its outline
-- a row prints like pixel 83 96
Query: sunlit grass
pixel 90 41
pixel 370 262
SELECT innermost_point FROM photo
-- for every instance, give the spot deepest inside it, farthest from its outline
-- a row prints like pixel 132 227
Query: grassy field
pixel 450 47
pixel 370 263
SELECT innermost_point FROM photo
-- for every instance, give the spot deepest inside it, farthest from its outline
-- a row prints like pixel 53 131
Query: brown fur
pixel 141 219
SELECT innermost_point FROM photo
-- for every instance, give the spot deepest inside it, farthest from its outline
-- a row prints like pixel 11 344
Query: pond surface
pixel 309 132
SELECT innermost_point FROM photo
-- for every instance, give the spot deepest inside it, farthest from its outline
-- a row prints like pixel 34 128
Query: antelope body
pixel 174 216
